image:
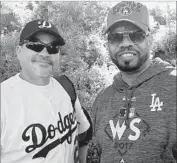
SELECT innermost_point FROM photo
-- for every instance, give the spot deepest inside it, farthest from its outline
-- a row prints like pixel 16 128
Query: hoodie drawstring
pixel 128 103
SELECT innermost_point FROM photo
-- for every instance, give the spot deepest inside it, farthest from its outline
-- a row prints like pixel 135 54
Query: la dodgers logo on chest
pixel 156 104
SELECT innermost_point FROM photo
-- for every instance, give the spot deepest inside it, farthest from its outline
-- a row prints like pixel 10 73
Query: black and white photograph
pixel 88 81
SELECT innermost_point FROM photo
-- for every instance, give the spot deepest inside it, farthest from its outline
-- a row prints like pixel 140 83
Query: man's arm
pixel 4 108
pixel 83 154
pixel 83 126
pixel 174 151
pixel 172 114
pixel 95 119
pixel 83 123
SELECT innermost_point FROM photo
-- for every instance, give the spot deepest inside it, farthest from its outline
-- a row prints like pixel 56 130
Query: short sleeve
pixel 3 121
pixel 83 123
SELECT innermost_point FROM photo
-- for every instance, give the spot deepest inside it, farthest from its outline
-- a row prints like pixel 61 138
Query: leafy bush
pixel 165 48
pixel 9 64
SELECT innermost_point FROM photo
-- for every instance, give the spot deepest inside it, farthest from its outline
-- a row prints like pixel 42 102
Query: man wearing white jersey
pixel 38 123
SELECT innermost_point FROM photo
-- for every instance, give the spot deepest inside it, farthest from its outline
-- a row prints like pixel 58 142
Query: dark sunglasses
pixel 135 37
pixel 38 46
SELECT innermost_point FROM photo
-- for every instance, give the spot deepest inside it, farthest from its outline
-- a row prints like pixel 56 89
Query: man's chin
pixel 43 74
pixel 42 71
pixel 128 68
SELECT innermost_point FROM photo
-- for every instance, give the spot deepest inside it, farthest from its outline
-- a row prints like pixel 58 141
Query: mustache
pixel 42 59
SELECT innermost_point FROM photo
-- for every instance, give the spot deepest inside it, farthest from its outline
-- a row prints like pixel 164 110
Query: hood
pixel 156 67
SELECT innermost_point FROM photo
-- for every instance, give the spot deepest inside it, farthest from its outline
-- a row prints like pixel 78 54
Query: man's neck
pixel 40 81
pixel 130 77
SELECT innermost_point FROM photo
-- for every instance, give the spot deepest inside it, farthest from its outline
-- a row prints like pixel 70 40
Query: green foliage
pixel 9 64
pixel 9 21
pixel 158 15
pixel 30 6
pixel 165 16
pixel 171 17
pixel 93 154
pixel 166 47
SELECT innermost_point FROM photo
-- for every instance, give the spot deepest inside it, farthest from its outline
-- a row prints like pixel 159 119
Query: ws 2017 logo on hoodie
pixel 124 135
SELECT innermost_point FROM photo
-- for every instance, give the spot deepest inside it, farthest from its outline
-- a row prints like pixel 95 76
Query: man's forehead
pixel 44 37
pixel 45 34
pixel 124 26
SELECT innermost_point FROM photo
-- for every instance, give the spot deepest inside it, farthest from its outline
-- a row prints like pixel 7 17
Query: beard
pixel 126 65
pixel 42 70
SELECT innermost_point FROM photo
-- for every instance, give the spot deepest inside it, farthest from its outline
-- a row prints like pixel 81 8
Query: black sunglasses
pixel 135 37
pixel 38 46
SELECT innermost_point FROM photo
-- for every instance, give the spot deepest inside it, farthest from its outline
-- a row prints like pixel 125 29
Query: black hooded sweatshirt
pixel 137 124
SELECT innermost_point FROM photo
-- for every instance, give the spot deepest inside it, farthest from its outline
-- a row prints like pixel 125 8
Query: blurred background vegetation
pixel 85 58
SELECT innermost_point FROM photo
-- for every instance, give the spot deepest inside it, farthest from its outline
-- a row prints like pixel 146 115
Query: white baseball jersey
pixel 38 124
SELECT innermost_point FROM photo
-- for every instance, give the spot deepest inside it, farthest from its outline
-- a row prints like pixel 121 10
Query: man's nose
pixel 44 52
pixel 126 42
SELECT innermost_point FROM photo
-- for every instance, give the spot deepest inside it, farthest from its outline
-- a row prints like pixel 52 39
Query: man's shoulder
pixel 170 73
pixel 167 78
pixel 173 72
pixel 10 82
pixel 105 92
pixel 8 86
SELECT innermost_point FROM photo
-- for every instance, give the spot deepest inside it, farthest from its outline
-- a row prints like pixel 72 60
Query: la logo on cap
pixel 44 24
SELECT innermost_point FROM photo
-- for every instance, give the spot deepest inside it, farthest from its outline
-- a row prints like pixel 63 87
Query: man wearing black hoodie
pixel 135 118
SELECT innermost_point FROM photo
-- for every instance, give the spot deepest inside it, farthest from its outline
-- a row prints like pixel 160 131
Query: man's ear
pixel 18 50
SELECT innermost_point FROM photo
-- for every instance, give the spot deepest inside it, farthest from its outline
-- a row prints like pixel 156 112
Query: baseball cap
pixel 130 11
pixel 40 25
